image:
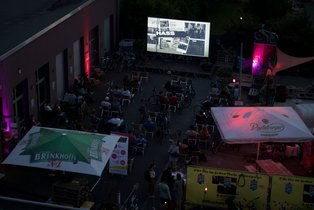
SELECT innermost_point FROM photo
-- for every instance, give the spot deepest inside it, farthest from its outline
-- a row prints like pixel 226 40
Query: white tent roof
pixel 306 112
pixel 260 124
pixel 285 61
pixel 72 151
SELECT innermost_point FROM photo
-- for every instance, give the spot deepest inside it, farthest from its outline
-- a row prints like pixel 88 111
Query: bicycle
pixel 191 88
pixel 186 101
pixel 215 145
pixel 251 205
pixel 152 102
pixel 238 205
pixel 110 62
pixel 106 62
pixel 108 87
pixel 131 203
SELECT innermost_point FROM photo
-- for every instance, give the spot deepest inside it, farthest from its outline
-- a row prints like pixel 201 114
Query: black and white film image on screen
pixel 164 25
pixel 151 35
pixel 196 47
pixel 168 44
pixel 183 45
pixel 196 30
pixel 178 37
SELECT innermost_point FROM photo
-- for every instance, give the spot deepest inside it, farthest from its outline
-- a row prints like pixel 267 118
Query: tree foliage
pixel 296 34
pixel 295 31
pixel 268 9
pixel 134 13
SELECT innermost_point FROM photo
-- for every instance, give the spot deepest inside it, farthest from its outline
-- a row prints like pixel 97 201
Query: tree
pixel 134 13
pixel 266 10
pixel 295 34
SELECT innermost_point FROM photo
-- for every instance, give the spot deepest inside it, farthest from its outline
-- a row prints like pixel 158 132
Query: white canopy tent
pixel 239 125
pixel 63 150
pixel 306 112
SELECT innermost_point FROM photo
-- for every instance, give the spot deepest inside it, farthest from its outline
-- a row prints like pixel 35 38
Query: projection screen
pixel 181 37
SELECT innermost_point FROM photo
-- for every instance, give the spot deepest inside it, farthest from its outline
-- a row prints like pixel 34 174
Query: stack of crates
pixel 72 193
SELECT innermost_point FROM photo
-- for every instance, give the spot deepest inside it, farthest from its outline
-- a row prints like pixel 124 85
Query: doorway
pixel 20 102
pixel 78 57
pixel 42 86
pixel 62 75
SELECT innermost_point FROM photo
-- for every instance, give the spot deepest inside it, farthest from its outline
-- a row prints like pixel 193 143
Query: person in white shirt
pixel 47 107
pixel 106 103
pixel 116 121
pixel 70 98
pixel 126 92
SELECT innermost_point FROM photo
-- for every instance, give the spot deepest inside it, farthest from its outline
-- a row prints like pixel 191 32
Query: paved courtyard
pixel 36 184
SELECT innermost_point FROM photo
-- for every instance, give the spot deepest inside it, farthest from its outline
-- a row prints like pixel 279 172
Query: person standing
pixel 152 179
pixel 178 191
pixel 164 194
pixel 236 92
pixel 174 154
pixel 204 133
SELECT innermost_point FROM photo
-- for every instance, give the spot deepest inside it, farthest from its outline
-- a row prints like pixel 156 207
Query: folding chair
pixel 126 99
pixel 143 75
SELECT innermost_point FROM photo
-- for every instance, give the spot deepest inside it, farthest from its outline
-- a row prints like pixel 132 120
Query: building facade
pixel 43 66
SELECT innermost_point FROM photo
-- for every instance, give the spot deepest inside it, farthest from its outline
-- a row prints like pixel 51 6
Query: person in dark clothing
pixel 152 179
pixel 142 110
pixel 168 86
pixel 169 180
pixel 206 104
pixel 149 124
pixel 167 176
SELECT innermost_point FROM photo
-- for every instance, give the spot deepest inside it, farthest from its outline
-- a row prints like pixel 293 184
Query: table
pixel 271 168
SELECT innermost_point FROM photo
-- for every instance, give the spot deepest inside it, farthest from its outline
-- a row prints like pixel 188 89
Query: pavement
pixel 36 184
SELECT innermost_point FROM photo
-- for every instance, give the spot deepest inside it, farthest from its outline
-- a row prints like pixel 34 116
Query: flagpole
pixel 258 148
pixel 241 59
pixel 240 75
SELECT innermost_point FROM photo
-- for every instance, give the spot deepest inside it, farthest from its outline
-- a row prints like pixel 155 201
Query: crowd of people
pixel 75 107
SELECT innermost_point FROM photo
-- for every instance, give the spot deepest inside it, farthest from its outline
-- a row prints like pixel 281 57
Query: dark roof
pixel 20 19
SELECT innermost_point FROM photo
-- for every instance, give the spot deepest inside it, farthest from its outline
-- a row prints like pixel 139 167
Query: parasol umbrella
pixel 64 150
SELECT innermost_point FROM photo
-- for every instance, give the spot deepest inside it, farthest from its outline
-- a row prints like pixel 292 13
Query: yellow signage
pixel 292 192
pixel 216 187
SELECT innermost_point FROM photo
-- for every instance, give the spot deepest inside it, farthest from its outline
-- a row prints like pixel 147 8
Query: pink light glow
pixel 87 62
pixel 6 112
pixel 257 60
pixel 86 26
pixel 6 104
pixel 263 55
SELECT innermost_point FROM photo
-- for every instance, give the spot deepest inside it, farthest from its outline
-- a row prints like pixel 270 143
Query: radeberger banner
pixel 216 187
pixel 292 192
